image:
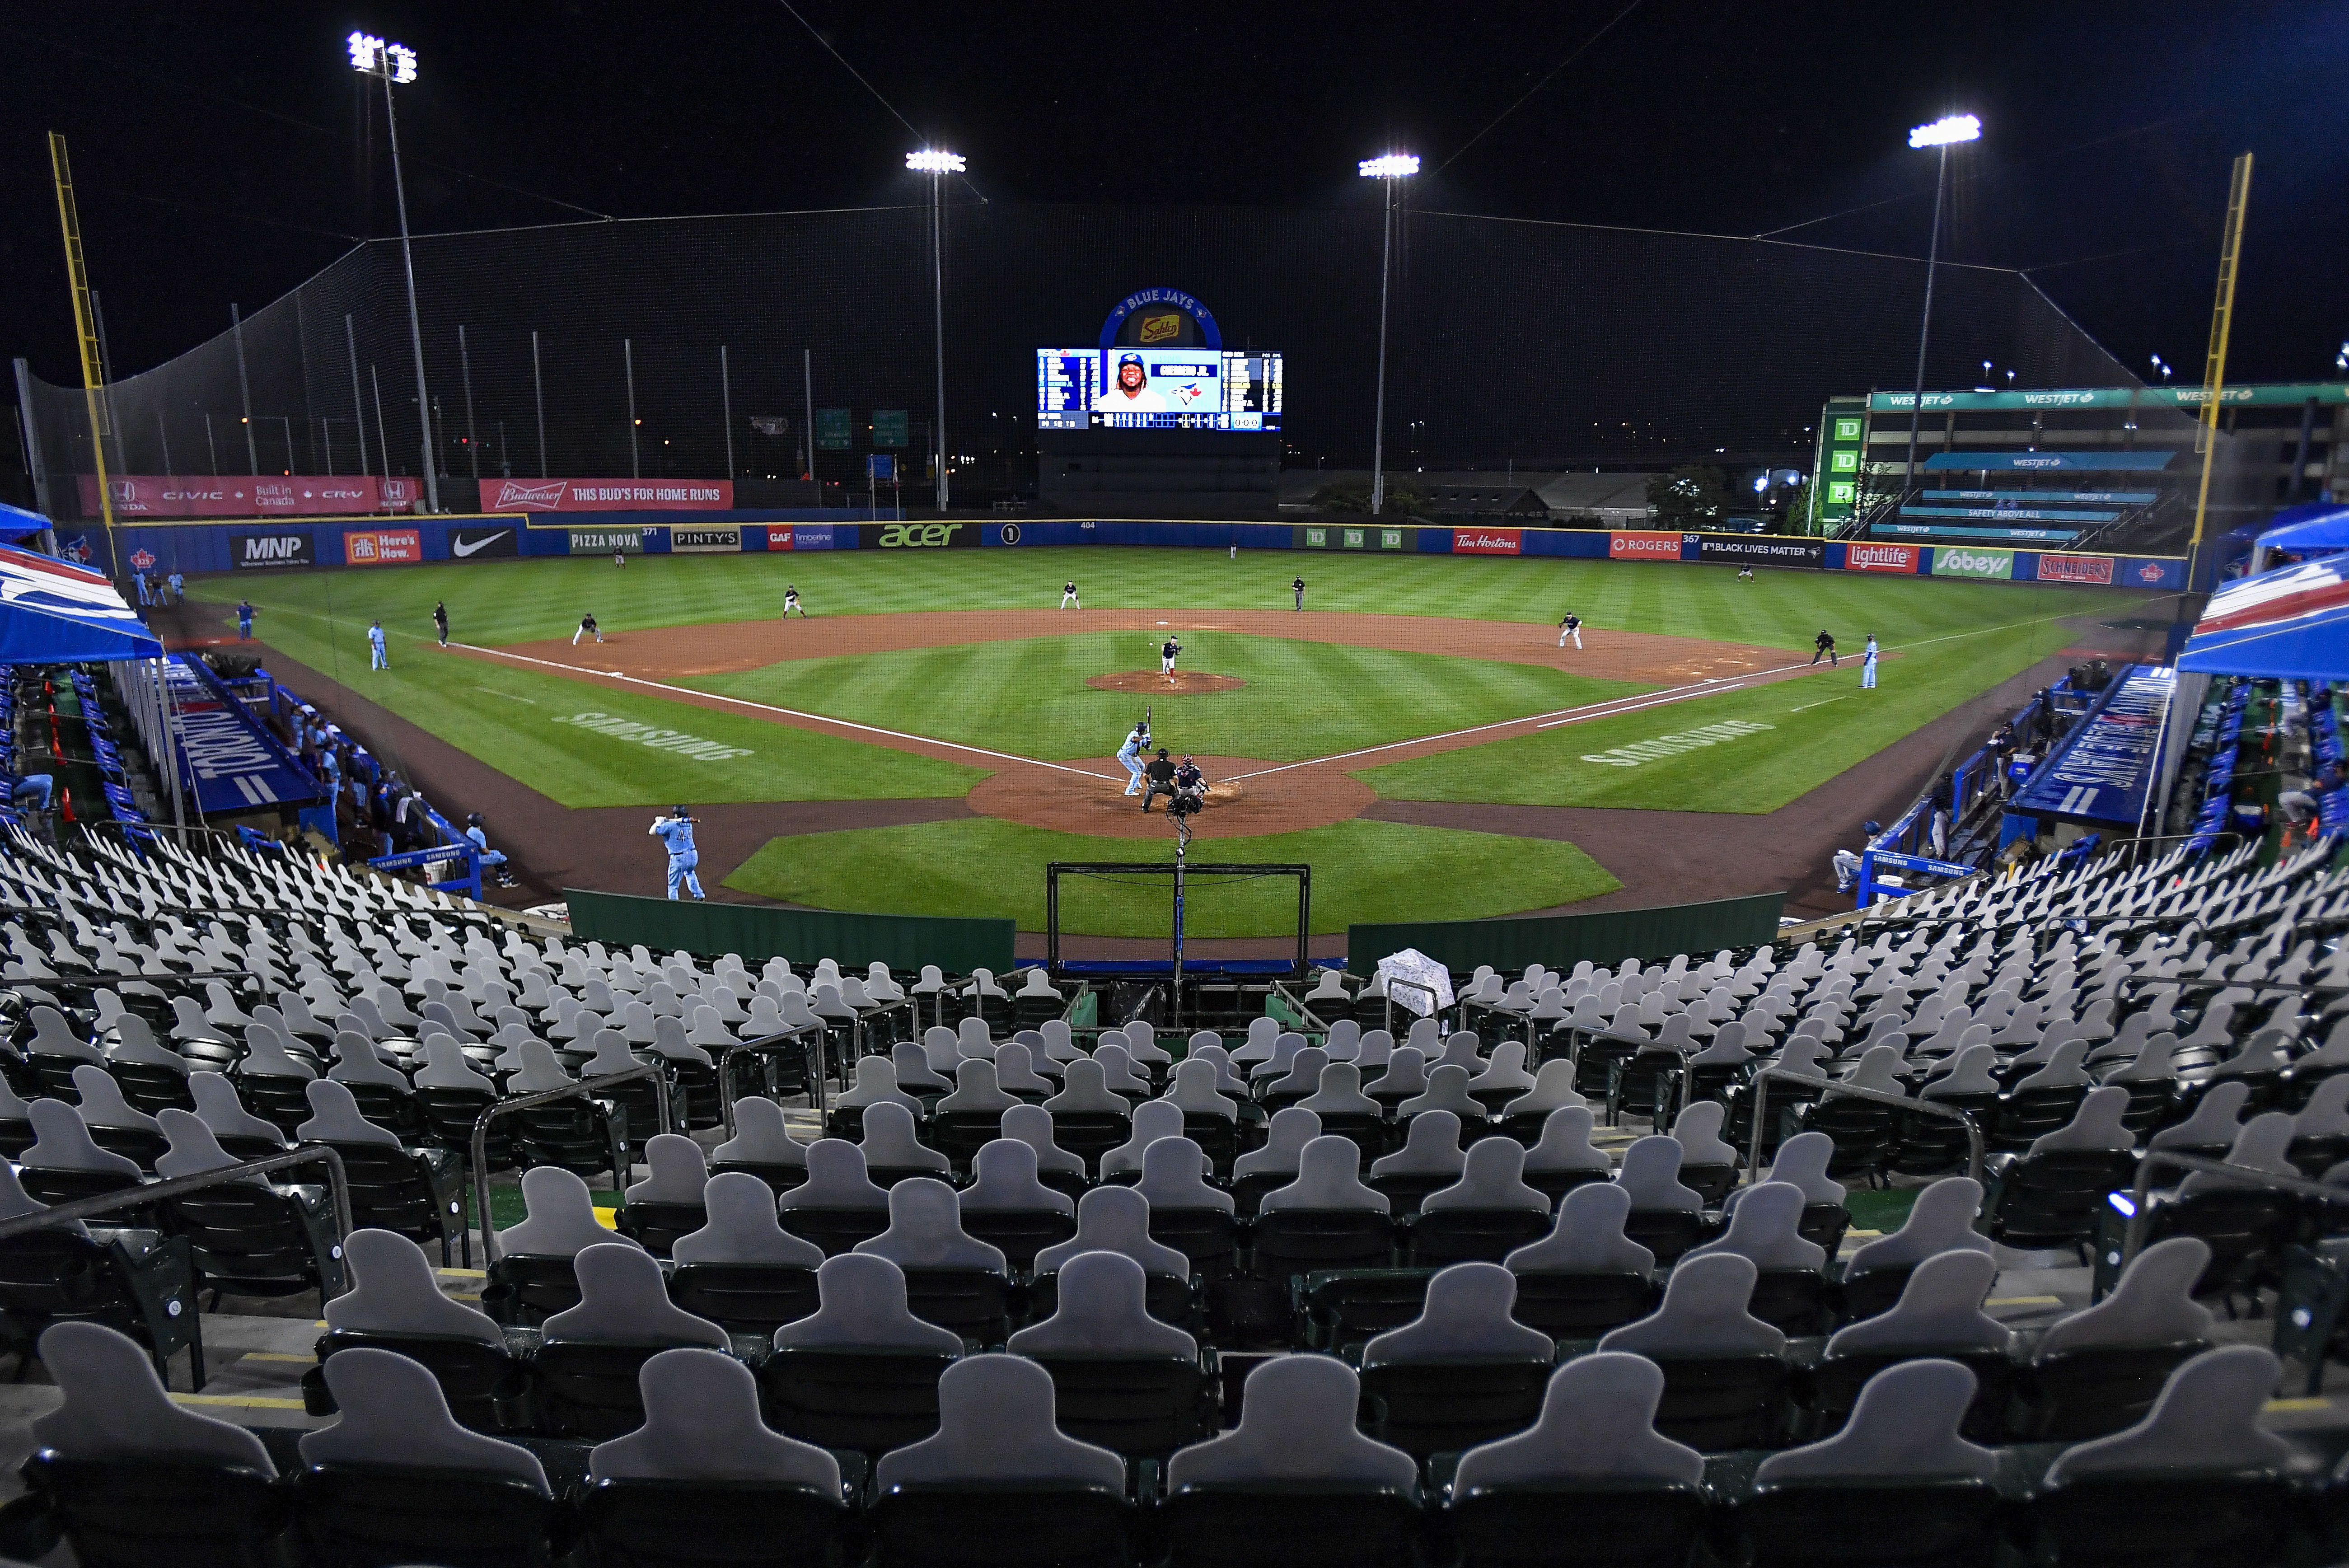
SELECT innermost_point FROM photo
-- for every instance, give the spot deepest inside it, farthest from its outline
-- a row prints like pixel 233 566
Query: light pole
pixel 1942 134
pixel 2163 366
pixel 1389 168
pixel 938 163
pixel 371 56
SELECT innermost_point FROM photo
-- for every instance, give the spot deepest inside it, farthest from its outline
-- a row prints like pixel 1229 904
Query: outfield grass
pixel 1817 727
pixel 1302 699
pixel 1363 871
pixel 520 721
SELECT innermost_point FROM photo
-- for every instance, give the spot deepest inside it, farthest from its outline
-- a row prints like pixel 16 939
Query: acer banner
pixel 606 494
pixel 237 495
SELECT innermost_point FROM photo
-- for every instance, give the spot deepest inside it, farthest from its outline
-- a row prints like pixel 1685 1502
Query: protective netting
pixel 1554 344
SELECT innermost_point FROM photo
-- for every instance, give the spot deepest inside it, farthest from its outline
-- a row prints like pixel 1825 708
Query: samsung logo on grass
pixel 1673 745
pixel 659 740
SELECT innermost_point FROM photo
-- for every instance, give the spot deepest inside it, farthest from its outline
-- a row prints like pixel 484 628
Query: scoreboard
pixel 1194 388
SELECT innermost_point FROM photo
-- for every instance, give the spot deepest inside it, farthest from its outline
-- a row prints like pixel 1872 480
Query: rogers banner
pixel 297 496
pixel 1488 541
pixel 606 494
pixel 1881 557
pixel 1643 545
pixel 382 547
pixel 2096 569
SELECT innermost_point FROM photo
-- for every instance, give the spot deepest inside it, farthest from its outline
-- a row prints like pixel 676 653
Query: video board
pixel 1157 388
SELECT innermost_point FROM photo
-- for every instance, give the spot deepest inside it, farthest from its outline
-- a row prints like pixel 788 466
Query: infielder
pixel 377 659
pixel 1570 626
pixel 791 602
pixel 1868 665
pixel 588 628
pixel 1166 652
pixel 677 832
pixel 1068 596
pixel 1137 740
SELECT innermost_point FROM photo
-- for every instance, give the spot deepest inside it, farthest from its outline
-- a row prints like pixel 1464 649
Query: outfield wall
pixel 1563 940
pixel 758 932
pixel 272 543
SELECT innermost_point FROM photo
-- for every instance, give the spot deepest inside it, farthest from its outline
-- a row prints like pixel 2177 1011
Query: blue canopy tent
pixel 2288 624
pixel 16 523
pixel 2316 529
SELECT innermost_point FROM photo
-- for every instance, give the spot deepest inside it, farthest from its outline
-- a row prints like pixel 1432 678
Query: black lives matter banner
pixel 918 536
pixel 1761 550
pixel 269 550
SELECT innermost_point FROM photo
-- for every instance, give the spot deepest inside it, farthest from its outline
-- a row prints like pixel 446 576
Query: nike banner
pixel 606 494
pixel 483 544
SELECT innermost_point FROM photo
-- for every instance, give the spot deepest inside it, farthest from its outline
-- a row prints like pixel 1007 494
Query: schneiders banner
pixel 1761 550
pixel 383 547
pixel 1880 557
pixel 2096 569
pixel 606 494
pixel 294 496
pixel 1642 545
pixel 705 541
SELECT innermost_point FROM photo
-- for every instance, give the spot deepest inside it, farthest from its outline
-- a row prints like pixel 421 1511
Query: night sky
pixel 221 152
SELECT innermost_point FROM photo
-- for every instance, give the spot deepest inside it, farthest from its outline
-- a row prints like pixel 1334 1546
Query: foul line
pixel 687 692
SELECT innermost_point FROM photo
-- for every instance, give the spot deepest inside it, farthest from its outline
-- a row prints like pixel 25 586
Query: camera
pixel 1185 804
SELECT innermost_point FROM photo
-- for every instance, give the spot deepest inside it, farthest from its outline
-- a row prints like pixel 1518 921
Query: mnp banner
pixel 606 494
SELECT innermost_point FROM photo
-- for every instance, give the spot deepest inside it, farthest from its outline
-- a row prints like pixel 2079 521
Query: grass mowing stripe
pixel 1363 871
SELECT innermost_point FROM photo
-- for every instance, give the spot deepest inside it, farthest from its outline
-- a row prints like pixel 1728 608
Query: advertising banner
pixel 484 543
pixel 1954 561
pixel 1761 550
pixel 812 536
pixel 1642 545
pixel 1488 541
pixel 2151 572
pixel 2049 462
pixel 382 547
pixel 259 550
pixel 917 536
pixel 606 494
pixel 1365 536
pixel 2287 395
pixel 2097 569
pixel 704 540
pixel 232 763
pixel 298 495
pixel 1860 558
pixel 607 541
pixel 2104 769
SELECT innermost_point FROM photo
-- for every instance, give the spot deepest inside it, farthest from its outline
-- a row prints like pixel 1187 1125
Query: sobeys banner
pixel 1960 561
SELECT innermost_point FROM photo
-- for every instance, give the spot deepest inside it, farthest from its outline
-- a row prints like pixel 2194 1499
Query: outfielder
pixel 791 602
pixel 1137 740
pixel 1868 665
pixel 376 658
pixel 1068 595
pixel 677 832
pixel 588 628
pixel 1298 587
pixel 1570 626
pixel 1166 652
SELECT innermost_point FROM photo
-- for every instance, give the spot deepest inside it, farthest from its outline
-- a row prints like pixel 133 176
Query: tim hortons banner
pixel 606 494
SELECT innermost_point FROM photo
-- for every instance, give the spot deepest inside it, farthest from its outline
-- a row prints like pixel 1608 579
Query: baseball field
pixel 937 728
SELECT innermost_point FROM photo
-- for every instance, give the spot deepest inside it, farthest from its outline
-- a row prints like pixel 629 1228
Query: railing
pixel 1312 1020
pixel 763 1045
pixel 2137 1216
pixel 1853 1091
pixel 1434 1009
pixel 2130 846
pixel 584 1087
pixel 153 1192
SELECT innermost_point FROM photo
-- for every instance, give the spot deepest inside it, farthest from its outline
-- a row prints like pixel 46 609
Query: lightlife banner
pixel 606 494
pixel 237 495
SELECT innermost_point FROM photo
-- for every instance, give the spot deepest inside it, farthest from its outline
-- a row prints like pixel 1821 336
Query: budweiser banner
pixel 237 495
pixel 607 495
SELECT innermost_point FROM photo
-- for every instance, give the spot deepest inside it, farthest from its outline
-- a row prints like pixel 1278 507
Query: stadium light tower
pixel 1388 168
pixel 371 56
pixel 938 163
pixel 1942 134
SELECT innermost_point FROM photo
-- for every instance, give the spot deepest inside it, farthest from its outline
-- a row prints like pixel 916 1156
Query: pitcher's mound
pixel 1185 683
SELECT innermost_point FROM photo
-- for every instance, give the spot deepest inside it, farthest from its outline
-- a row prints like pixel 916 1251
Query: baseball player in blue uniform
pixel 677 832
pixel 1137 740
pixel 1868 665
pixel 376 658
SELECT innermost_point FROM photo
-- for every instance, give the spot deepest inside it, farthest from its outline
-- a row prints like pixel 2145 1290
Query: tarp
pixel 2289 624
pixel 15 523
pixel 2303 530
pixel 2102 769
pixel 232 763
pixel 53 613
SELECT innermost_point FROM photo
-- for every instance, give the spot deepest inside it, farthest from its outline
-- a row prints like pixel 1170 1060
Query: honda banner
pixel 1881 557
pixel 1488 541
pixel 382 547
pixel 295 496
pixel 606 494
pixel 2096 569
pixel 1643 545
pixel 1761 550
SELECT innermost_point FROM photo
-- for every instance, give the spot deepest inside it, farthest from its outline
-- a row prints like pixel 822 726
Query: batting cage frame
pixel 1176 872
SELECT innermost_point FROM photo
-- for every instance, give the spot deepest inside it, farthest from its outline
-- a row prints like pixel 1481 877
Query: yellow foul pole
pixel 93 376
pixel 2214 367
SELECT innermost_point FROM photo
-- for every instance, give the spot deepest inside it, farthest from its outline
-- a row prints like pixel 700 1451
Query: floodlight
pixel 1392 166
pixel 372 55
pixel 934 161
pixel 1943 132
